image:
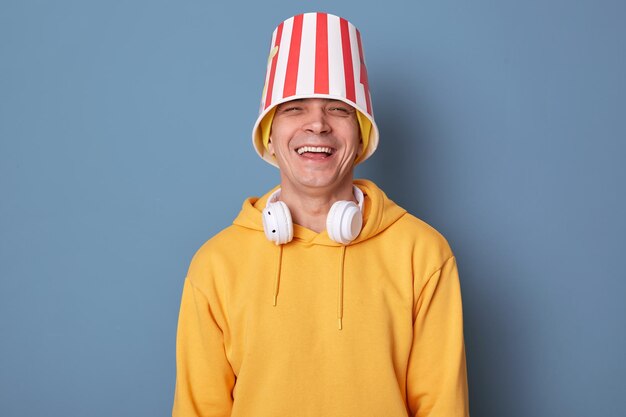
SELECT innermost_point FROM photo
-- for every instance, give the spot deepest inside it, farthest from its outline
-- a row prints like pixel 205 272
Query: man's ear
pixel 270 146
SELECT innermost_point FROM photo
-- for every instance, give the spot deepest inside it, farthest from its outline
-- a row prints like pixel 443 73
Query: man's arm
pixel 204 377
pixel 437 376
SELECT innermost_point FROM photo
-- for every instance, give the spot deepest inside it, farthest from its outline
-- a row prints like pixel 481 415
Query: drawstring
pixel 278 268
pixel 340 289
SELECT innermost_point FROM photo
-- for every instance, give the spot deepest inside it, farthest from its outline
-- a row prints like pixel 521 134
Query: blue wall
pixel 125 144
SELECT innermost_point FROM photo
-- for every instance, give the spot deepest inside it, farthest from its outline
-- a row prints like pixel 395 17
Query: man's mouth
pixel 315 151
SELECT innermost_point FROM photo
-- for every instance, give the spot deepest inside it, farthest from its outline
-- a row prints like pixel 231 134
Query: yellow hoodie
pixel 373 328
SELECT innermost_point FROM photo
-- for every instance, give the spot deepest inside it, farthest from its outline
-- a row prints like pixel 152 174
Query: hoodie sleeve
pixel 204 377
pixel 437 377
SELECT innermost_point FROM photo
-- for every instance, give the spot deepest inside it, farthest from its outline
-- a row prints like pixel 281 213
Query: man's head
pixel 316 58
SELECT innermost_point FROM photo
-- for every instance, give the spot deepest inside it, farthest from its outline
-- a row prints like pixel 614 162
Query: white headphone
pixel 343 223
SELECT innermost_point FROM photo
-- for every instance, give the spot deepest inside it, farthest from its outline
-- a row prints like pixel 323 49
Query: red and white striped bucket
pixel 316 55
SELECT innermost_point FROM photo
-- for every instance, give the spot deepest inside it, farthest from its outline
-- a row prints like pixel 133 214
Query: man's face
pixel 316 142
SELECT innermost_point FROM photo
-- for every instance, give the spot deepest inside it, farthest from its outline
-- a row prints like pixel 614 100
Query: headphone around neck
pixel 343 223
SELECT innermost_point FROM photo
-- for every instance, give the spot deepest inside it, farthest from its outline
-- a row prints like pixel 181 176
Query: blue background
pixel 125 144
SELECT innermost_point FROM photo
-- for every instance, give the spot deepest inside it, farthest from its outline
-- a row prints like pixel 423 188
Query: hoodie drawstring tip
pixel 339 324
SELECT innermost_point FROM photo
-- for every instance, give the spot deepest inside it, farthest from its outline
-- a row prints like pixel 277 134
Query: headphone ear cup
pixel 277 223
pixel 344 222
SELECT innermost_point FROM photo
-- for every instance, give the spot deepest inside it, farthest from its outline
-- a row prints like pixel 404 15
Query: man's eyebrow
pixel 336 102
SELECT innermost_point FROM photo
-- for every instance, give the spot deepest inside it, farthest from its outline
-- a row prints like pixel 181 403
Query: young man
pixel 324 298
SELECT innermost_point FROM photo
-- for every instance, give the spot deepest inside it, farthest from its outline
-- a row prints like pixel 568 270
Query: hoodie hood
pixel 379 212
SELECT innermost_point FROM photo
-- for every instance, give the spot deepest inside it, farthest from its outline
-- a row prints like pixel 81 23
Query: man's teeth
pixel 318 149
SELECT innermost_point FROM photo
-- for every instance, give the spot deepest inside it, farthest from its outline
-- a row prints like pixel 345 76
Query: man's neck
pixel 309 207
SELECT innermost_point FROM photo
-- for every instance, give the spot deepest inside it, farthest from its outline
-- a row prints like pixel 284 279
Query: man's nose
pixel 317 122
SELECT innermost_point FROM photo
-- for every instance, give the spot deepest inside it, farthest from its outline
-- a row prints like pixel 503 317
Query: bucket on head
pixel 316 55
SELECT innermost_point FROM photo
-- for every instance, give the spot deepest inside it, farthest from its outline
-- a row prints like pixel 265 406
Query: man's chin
pixel 319 181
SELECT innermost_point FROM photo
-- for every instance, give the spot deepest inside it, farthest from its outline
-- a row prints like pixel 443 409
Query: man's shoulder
pixel 234 242
pixel 226 240
pixel 420 226
pixel 223 250
pixel 423 235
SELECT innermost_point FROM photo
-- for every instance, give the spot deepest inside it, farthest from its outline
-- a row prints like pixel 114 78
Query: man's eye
pixel 289 109
pixel 340 109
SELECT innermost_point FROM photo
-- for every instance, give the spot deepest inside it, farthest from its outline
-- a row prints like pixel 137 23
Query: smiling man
pixel 315 142
pixel 324 298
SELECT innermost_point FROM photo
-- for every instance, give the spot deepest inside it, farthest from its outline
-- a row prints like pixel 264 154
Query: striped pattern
pixel 318 54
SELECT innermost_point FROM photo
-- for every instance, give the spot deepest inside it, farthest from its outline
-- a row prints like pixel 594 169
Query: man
pixel 324 298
